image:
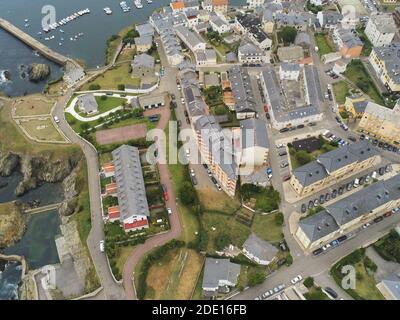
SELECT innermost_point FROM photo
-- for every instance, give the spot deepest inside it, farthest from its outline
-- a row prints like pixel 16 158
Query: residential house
pixel 282 114
pixel 389 286
pixel 303 40
pixel 87 104
pixel 329 19
pixel 291 19
pixel 289 71
pixel 220 275
pixel 349 213
pixel 381 122
pixel 177 6
pixel 268 21
pixel 132 210
pixel 259 250
pixel 205 57
pixel 190 38
pixel 220 6
pixel 248 53
pixel 356 105
pixel 254 3
pixel 380 29
pixel 152 101
pixel 386 63
pixel 250 25
pixel 143 44
pixel 350 45
pixel 245 104
pixel 145 30
pixel 142 65
pixel 219 25
pixel 254 143
pixel 339 67
pixel 333 166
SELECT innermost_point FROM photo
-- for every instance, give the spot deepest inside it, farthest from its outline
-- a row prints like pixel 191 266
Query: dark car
pixel 317 251
pixel 375 142
pixel 390 148
pixel 387 214
pixel 380 144
pixel 342 238
pixel 186 113
pixel 381 171
pixel 361 180
pixel 334 194
pixel 340 190
pixel 281 262
pixel 283 153
pixel 187 120
pixel 300 126
pixel 205 166
pixel 284 130
pixel 331 292
pixel 303 208
pixel 327 197
pixel 338 119
pixel 292 128
pixel 351 138
pixel 362 137
pixel 312 124
pixel 378 219
pixel 179 123
pixel 267 115
pixel 349 186
pixel 321 199
pixel 213 180
pixel 194 180
pixel 310 204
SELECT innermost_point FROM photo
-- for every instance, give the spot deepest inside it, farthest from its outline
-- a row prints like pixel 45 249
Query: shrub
pixel 187 193
pixel 221 241
pixel 94 87
pixel 308 282
pixel 279 219
pixel 303 157
pixel 255 278
pixel 104 97
pixel 121 87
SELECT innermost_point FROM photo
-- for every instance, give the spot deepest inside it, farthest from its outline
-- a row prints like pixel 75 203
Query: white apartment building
pixel 380 29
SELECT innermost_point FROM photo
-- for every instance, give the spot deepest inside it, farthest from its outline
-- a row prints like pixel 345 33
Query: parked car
pixel 284 130
pixel 284 164
pixel 334 243
pixel 326 247
pixel 214 180
pixel 283 153
pixel 387 214
pixel 317 251
pixel 169 210
pixel 286 178
pixel 186 113
pixel 172 96
pixel 300 126
pixel 331 292
pixel 310 204
pixel 267 116
pixel 327 197
pixel 321 199
pixel 280 145
pixel 378 219
pixel 340 190
pixel 342 238
pixel 351 138
pixel 365 226
pixel 56 119
pixel 102 245
pixel 334 194
pixel 312 124
pixel 303 208
pixel 296 279
pixel 165 192
pixel 349 186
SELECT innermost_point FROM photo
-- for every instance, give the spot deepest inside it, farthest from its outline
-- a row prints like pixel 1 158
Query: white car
pixel 169 210
pixel 280 145
pixel 192 172
pixel 56 119
pixel 365 226
pixel 326 247
pixel 296 279
pixel 187 152
pixel 218 187
pixel 102 245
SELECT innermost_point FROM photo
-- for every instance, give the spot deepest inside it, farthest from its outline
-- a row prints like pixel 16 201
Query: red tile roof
pixel 109 167
pixel 136 224
pixel 177 5
pixel 113 212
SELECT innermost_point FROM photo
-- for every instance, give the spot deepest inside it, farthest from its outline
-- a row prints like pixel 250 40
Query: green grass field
pixel 324 44
pixel 341 91
pixel 266 228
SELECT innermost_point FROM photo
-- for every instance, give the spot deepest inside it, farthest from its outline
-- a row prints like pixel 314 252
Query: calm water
pixel 97 28
pixel 38 243
pixel 10 276
pixel 48 193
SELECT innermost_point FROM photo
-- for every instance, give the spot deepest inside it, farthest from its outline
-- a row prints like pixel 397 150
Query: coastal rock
pixel 12 223
pixel 38 71
pixel 8 163
pixel 70 194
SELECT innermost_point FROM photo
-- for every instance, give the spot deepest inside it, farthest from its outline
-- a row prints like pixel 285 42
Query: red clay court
pixel 115 135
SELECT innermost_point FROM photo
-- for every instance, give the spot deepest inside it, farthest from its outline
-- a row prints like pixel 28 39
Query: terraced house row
pixel 333 166
pixel 349 213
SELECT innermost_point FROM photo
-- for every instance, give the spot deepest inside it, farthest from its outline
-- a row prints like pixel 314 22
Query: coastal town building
pixel 268 21
pixel 218 6
pixel 132 210
pixel 220 275
pixel 291 19
pixel 259 250
pixel 289 71
pixel 348 42
pixel 329 19
pixel 191 39
pixel 349 213
pixel 333 166
pixel 381 122
pixel 290 54
pixel 250 25
pixel 386 63
pixel 356 105
pixel 143 65
pixel 145 30
pixel 205 57
pixel 248 53
pixel 219 25
pixel 287 110
pixel 87 104
pixel 245 104
pixel 254 3
pixel 380 29
pixel 143 44
pixel 389 286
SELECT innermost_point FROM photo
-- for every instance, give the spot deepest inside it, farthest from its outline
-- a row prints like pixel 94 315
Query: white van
pixel 356 183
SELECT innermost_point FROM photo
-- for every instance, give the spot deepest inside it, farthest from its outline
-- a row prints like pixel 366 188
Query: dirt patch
pixel 32 106
pixel 115 135
pixel 213 200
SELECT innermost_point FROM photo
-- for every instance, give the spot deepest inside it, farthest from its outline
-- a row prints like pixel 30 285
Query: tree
pixel 121 87
pixel 104 97
pixel 303 157
pixel 288 34
pixel 256 278
pixel 94 86
pixel 187 193
pixel 222 240
pixel 279 219
pixel 137 112
pixel 84 126
pixel 220 110
pixel 100 120
pixel 309 282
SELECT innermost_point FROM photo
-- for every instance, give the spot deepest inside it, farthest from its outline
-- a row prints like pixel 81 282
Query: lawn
pixel 259 198
pixel 217 201
pixel 122 256
pixel 367 47
pixel 267 227
pixel 315 293
pixel 341 91
pixel 357 74
pixel 365 285
pixel 41 129
pixel 324 43
pixel 216 224
pixel 33 105
pixel 110 79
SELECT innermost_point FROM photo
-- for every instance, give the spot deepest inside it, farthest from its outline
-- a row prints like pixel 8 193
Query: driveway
pixel 384 267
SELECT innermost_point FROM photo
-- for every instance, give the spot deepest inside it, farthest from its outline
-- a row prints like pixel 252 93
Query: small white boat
pixel 60 43
pixel 26 20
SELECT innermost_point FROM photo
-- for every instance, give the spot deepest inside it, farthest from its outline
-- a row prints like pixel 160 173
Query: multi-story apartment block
pixel 350 45
pixel 250 25
pixel 349 213
pixel 380 29
pixel 190 38
pixel 332 167
pixel 386 63
pixel 381 122
pixel 249 53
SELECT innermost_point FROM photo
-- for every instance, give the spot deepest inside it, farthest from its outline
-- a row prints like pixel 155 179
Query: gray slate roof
pixel 219 269
pixel 145 29
pixel 350 208
pixel 390 54
pixel 143 60
pixel 130 183
pixel 254 133
pixel 260 248
pixel 360 106
pixel 242 90
pixel 392 283
pixel 144 40
pixel 88 103
pixel 249 49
